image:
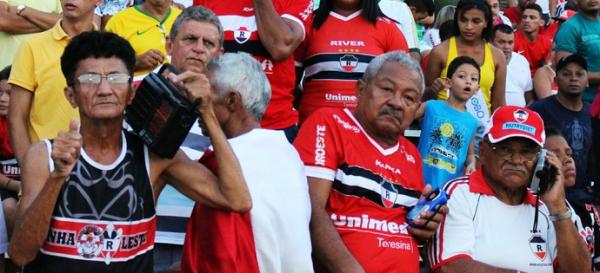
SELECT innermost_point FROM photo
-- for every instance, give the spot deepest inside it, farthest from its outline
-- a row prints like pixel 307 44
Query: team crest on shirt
pixel 89 241
pixel 521 116
pixel 389 194
pixel 538 246
pixel 93 241
pixel 242 35
pixel 348 62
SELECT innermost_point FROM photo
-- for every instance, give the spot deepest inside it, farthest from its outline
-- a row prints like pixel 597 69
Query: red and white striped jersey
pixel 481 227
pixel 336 55
pixel 241 34
pixel 372 188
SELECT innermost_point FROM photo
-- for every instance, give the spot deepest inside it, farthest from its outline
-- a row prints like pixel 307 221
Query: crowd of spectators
pixel 321 125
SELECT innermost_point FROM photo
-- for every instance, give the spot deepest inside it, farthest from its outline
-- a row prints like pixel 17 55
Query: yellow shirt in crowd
pixel 9 43
pixel 142 30
pixel 37 69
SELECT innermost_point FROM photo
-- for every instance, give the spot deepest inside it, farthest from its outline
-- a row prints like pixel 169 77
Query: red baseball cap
pixel 514 121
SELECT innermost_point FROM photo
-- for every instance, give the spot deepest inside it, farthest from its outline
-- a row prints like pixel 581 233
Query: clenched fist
pixel 65 150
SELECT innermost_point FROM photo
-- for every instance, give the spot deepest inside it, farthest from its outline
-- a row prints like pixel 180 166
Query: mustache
pixel 389 111
pixel 515 168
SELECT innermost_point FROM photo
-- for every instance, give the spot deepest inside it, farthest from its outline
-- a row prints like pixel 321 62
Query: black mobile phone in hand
pixel 543 175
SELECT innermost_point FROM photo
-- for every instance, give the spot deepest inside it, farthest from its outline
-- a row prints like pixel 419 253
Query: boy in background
pixel 448 129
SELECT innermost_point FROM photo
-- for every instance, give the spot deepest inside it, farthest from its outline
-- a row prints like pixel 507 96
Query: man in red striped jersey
pixel 495 223
pixel 364 176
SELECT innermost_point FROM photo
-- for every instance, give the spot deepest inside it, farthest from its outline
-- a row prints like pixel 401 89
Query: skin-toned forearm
pixel 12 23
pixel 471 266
pixel 573 255
pixel 328 247
pixel 43 20
pixel 276 34
pixel 230 179
pixel 594 77
pixel 33 222
pixel 18 117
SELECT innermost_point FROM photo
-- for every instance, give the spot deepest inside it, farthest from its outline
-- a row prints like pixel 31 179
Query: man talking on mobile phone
pixel 495 223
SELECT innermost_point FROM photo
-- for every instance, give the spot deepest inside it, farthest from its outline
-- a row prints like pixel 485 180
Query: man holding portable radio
pixel 495 223
pixel 89 194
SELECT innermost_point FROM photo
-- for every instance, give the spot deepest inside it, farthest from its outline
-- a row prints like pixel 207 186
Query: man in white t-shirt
pixel 495 223
pixel 274 235
pixel 518 79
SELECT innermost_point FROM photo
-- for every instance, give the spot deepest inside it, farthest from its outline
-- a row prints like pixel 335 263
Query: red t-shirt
pixel 536 53
pixel 336 55
pixel 372 189
pixel 513 15
pixel 231 232
pixel 241 34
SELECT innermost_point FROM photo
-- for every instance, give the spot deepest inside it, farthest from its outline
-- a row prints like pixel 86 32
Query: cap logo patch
pixel 521 115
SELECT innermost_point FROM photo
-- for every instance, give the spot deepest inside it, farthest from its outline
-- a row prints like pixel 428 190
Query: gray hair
pixel 394 56
pixel 242 73
pixel 443 15
pixel 199 14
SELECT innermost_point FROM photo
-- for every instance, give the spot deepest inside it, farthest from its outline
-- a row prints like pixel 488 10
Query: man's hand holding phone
pixel 425 217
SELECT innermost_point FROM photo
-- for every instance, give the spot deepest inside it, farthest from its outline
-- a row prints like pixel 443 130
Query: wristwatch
pixel 20 8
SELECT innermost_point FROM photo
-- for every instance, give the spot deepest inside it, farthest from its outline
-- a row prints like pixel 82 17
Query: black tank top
pixel 104 219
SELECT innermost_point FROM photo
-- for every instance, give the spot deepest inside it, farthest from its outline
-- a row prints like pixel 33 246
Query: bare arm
pixel 229 190
pixel 43 20
pixel 328 247
pixel 572 253
pixel 435 65
pixel 542 82
pixel 499 88
pixel 18 118
pixel 12 23
pixel 471 162
pixel 552 7
pixel 280 36
pixel 40 192
pixel 9 184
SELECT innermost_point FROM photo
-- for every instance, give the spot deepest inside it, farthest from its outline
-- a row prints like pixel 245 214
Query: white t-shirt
pixel 518 80
pixel 545 4
pixel 431 38
pixel 481 227
pixel 400 12
pixel 281 207
pixel 504 19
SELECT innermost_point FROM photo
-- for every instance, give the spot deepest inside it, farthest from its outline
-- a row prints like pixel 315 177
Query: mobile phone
pixel 534 185
pixel 433 202
pixel 543 175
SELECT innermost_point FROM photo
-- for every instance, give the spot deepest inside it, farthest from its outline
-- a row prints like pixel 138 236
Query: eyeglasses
pixel 93 80
pixel 507 153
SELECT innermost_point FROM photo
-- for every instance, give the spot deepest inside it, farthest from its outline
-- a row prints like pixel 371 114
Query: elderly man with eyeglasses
pixel 495 223
pixel 89 194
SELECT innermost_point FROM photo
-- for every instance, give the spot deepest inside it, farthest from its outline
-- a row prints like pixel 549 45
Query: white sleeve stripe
pixel 320 172
pixel 295 19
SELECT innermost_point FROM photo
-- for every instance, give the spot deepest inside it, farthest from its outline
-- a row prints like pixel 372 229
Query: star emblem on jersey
pixel 520 116
pixel 242 35
pixel 389 194
pixel 538 246
pixel 348 62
